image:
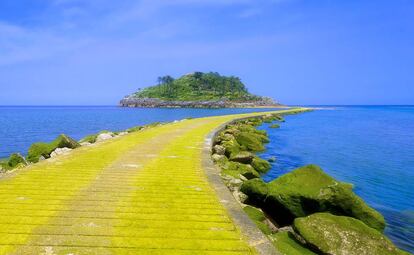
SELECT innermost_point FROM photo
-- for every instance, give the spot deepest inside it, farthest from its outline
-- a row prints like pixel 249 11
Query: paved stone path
pixel 143 193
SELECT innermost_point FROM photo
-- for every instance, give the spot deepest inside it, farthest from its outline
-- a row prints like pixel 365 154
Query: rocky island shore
pixel 197 90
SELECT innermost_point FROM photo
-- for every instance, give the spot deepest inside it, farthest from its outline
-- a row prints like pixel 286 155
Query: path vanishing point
pixel 147 192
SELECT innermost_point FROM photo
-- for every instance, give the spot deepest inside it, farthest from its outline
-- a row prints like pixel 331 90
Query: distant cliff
pixel 197 90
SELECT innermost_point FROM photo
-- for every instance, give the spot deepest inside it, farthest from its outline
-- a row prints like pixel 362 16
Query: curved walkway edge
pixel 255 237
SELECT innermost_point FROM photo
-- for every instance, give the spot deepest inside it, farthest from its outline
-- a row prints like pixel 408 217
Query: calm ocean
pixel 371 147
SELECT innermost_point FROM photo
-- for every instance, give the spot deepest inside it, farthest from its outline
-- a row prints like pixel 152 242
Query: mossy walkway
pixel 143 193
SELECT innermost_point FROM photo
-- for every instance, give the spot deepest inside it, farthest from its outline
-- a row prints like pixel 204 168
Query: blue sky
pixel 80 52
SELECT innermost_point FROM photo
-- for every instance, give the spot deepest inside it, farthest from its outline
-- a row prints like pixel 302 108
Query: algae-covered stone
pixel 64 141
pixel 331 234
pixel 15 159
pixel 258 217
pixel 245 170
pixel 274 126
pixel 260 165
pixel 286 244
pixel 256 190
pixel 231 147
pixel 272 159
pixel 88 139
pixel 134 129
pixel 244 157
pixel 308 189
pixel 38 150
pixel 250 141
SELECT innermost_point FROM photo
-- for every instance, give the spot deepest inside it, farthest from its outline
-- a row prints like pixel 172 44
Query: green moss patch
pixel 261 165
pixel 286 244
pixel 331 234
pixel 38 150
pixel 307 190
pixel 258 217
pixel 250 141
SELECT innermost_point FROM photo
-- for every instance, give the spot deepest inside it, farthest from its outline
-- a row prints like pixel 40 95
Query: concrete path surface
pixel 143 193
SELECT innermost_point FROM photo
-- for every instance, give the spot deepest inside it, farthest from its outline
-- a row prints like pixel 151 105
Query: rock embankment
pixel 305 211
pixel 131 101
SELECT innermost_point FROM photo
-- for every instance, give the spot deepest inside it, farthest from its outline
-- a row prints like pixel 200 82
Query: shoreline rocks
pixel 311 212
pixel 38 150
pixel 309 190
pixel 131 101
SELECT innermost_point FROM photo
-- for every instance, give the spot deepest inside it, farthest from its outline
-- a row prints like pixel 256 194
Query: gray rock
pixel 217 157
pixel 104 136
pixel 244 157
pixel 220 150
pixel 59 151
pixel 239 196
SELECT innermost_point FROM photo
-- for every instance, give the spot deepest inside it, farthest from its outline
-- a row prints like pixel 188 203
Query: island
pixel 197 90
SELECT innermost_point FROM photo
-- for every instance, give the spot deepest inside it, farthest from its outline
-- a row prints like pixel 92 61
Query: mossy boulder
pixel 253 121
pixel 250 141
pixel 308 190
pixel 134 129
pixel 272 159
pixel 278 117
pixel 274 126
pixel 256 190
pixel 261 165
pixel 89 139
pixel 15 159
pixel 244 157
pixel 64 141
pixel 258 217
pixel 235 169
pixel 38 150
pixel 286 244
pixel 330 234
pixel 231 147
